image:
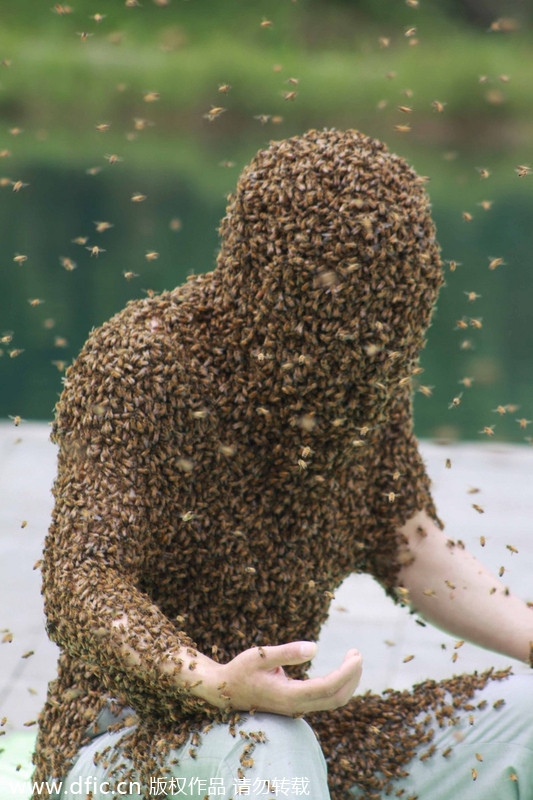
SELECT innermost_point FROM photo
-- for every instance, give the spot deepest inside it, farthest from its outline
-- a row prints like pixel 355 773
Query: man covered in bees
pixel 229 452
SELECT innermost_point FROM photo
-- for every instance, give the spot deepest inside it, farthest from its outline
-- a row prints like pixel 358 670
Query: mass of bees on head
pixel 296 204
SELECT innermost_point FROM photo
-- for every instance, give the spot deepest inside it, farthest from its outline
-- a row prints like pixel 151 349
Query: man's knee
pixel 284 732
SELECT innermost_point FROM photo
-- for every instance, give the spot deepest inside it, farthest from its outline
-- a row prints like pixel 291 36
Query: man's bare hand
pixel 255 679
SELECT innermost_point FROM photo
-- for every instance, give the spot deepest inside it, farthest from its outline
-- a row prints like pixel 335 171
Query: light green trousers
pixel 497 743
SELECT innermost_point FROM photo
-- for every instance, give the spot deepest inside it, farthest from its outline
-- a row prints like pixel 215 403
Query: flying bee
pixel 138 198
pixel 95 250
pixel 214 112
pixel 482 541
pixel 495 262
pixel 448 463
pixel 511 548
pixel 80 240
pixel 84 35
pixel 16 420
pixel 61 9
pixel 438 106
pixel 524 422
pixel 405 109
pixel 456 401
pixel 151 255
pixel 93 170
pixel 289 95
pixel 16 352
pixel 467 216
pixel 130 275
pixel 427 391
pixel 132 4
pixel 467 382
pixel 384 41
pixel 407 659
pixel 410 32
pixel 67 263
pixel 472 296
pixel 522 170
pixel 476 323
pixel 113 158
pixel 35 301
pixel 6 337
pixel 267 23
pixel 102 126
pixel 461 324
pixel 479 509
pixel 263 118
pixel 224 88
pixel 488 429
pixel 18 185
pixel 483 172
pixel 20 259
pixel 103 226
pixel 501 572
pixel 485 204
pixel 98 17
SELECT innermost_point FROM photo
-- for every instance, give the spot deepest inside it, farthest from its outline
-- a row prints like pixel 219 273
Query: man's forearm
pixel 451 589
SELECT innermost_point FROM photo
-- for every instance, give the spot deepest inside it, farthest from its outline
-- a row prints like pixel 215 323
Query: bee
pixel 407 659
pixel 467 382
pixel 18 185
pixel 500 410
pixel 95 250
pixel 6 337
pixel 28 653
pixel 456 401
pixel 113 158
pixel 438 106
pixel 498 703
pixel 427 391
pixel 130 275
pixel 61 9
pixel 391 496
pixel 483 172
pixel 461 324
pixel 103 226
pixel 455 656
pixel 472 296
pixel 16 420
pixel 495 262
pixel 402 128
pixel 93 170
pixel 84 35
pixel 138 198
pixel 5 153
pixel 478 508
pixel 16 131
pixel 488 429
pixel 151 255
pixel 384 41
pixel 449 584
pixel 485 204
pixel 524 422
pixel 224 88
pixel 474 774
pixel 289 95
pixel 405 109
pixel 482 541
pixel 214 112
pixel 501 572
pixel 410 32
pixel 447 752
pixel 14 353
pixel 67 263
pixel 522 170
pixel 293 81
pixel 263 118
pixel 98 17
pixel 511 548
pixel 132 4
pixel 7 637
pixel 476 323
pixel 266 23
pixel 60 365
pixel 80 240
pixel 20 259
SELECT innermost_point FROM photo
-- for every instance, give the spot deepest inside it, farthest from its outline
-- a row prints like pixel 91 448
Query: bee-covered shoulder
pixel 117 387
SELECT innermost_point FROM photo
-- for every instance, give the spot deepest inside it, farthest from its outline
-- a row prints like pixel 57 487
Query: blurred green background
pixel 102 101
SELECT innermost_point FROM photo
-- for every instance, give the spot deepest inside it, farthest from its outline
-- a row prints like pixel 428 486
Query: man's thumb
pixel 290 653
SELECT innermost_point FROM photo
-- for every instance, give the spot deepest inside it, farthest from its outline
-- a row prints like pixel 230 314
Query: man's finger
pixel 281 654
